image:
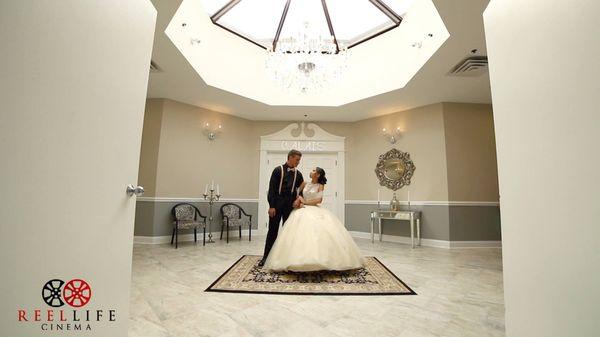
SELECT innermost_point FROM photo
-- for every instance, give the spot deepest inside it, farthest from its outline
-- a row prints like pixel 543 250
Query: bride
pixel 313 238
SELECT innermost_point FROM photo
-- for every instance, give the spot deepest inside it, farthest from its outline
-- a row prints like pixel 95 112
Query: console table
pixel 411 216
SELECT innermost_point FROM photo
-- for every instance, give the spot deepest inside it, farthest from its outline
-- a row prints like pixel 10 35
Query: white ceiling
pixel 177 79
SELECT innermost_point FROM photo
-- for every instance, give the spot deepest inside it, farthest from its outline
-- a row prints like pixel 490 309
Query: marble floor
pixel 459 294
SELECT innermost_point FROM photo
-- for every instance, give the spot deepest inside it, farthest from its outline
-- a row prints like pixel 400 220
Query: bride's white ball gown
pixel 313 239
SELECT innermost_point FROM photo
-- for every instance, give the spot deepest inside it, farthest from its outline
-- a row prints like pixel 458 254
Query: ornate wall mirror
pixel 394 169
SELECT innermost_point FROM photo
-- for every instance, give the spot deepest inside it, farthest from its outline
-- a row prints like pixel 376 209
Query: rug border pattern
pixel 211 289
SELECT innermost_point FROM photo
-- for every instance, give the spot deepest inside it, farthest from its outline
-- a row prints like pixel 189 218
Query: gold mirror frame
pixel 394 163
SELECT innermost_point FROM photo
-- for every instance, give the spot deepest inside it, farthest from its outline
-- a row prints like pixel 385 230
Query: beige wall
pixel 422 137
pixel 470 152
pixel 186 159
pixel 150 145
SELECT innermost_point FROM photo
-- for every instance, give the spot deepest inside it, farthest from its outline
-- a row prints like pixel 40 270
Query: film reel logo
pixel 76 293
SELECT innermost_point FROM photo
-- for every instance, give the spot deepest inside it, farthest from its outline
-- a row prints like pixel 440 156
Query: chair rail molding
pixel 193 199
pixel 305 137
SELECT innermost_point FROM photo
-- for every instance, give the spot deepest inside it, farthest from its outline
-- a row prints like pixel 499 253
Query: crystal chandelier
pixel 307 62
pixel 302 57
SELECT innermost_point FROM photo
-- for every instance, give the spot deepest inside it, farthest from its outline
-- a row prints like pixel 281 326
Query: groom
pixel 282 196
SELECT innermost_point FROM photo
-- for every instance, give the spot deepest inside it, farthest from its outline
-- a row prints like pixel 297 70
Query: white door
pixel 327 161
pixel 73 81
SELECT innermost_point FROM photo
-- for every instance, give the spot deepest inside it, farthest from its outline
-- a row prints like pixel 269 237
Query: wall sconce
pixel 391 135
pixel 212 132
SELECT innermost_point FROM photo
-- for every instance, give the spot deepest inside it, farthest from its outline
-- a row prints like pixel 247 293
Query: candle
pixel 378 197
pixel 409 197
pixel 212 186
pixel 206 189
pixel 218 193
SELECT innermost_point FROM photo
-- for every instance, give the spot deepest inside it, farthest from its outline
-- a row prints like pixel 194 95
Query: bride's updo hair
pixel 322 180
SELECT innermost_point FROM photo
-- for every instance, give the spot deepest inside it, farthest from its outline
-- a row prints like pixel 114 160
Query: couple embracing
pixel 312 238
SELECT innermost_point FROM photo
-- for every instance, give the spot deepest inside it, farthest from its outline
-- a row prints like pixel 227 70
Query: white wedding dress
pixel 313 239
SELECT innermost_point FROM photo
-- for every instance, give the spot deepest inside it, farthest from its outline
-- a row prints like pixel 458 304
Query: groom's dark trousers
pixel 281 213
pixel 282 192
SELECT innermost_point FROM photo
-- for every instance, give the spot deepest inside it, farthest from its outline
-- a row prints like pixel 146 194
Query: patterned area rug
pixel 245 276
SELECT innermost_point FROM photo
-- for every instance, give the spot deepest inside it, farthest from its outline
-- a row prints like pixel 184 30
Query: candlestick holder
pixel 211 197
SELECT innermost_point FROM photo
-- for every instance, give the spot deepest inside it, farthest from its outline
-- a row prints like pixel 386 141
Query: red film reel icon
pixel 77 293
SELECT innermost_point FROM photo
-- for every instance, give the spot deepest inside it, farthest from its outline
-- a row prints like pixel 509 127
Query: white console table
pixel 411 216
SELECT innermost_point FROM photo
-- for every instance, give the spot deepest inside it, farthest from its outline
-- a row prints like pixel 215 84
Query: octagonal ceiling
pixel 233 59
pixel 349 22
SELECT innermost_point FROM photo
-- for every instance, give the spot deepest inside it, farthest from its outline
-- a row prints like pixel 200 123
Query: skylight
pixel 349 22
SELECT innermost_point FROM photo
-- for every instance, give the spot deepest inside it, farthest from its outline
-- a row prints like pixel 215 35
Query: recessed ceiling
pixel 382 64
pixel 179 81
pixel 348 22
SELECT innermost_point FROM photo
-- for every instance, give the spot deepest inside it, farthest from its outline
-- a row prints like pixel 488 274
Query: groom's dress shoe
pixel 261 263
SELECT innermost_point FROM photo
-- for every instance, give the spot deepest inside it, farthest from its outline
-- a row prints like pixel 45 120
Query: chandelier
pixel 307 41
pixel 306 62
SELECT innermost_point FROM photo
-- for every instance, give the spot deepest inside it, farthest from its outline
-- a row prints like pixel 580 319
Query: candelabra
pixel 211 196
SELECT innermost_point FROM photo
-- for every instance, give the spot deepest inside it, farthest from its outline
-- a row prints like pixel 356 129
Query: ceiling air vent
pixel 470 67
pixel 153 67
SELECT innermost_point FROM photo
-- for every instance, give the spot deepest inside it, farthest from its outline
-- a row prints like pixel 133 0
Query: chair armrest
pixel 248 219
pixel 200 215
pixel 246 214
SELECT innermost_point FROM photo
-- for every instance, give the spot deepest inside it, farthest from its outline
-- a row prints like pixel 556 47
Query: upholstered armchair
pixel 187 216
pixel 233 215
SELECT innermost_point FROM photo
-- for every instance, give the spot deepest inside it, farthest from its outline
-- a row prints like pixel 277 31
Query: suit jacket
pixel 288 187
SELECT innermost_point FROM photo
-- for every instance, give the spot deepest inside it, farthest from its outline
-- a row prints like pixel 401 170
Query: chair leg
pixel 204 236
pixel 176 237
pixel 240 232
pixel 173 236
pixel 227 233
pixel 221 238
pixel 195 238
pixel 250 232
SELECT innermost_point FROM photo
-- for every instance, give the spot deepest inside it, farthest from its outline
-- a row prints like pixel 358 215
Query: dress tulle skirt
pixel 313 239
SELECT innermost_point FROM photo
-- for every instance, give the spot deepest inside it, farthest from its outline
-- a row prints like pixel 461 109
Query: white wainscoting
pixel 430 242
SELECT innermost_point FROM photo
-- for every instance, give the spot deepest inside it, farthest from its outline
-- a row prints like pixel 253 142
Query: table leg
pixel 419 231
pixel 372 230
pixel 412 232
pixel 380 234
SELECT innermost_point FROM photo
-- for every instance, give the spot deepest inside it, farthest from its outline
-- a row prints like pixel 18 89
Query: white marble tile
pixel 459 294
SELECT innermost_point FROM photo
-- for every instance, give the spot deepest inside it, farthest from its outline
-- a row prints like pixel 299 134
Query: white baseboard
pixel 475 244
pixel 430 242
pixel 155 240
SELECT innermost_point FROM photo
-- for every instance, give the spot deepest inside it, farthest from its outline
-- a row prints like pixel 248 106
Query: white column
pixel 545 75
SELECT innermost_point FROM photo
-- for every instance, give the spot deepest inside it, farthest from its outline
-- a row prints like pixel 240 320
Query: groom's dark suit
pixel 283 190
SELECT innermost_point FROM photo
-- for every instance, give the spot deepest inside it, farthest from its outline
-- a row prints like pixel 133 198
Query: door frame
pixel 307 138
